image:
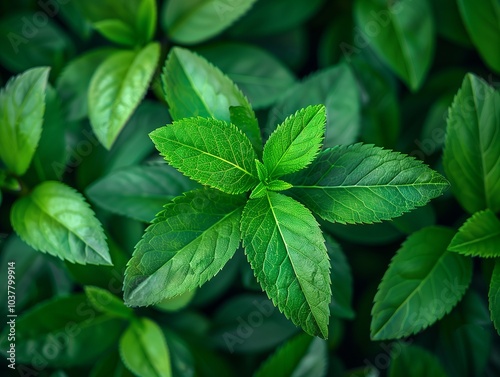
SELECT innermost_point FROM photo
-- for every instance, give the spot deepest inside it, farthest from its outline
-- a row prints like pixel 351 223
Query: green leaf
pixel 483 24
pixel 139 192
pixel 423 283
pixel 402 35
pixel 105 302
pixel 404 364
pixel 73 82
pixel 176 303
pixel 116 89
pixel 194 87
pixel 337 89
pixel 301 356
pixel 278 185
pixel 144 350
pixel 296 142
pixel 262 172
pixel 146 19
pixel 116 31
pixel 110 365
pixel 187 244
pixel 471 152
pixel 494 296
pixel 259 191
pixel 209 151
pixel 259 75
pixel 479 236
pixel 287 252
pixel 63 332
pixel 449 22
pixel 193 21
pixel 55 219
pixel 244 118
pixel 22 106
pixel 365 184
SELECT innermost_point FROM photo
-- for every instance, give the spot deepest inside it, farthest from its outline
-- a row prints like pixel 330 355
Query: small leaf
pixel 471 151
pixel 139 192
pixel 287 252
pixel 397 23
pixel 176 303
pixel 296 142
pixel 144 350
pixel 259 191
pixel 165 265
pixel 365 184
pixel 198 20
pixel 55 219
pixel 116 31
pixel 146 19
pixel 116 89
pixel 105 302
pixel 422 273
pixel 479 236
pixel 278 185
pixel 244 118
pixel 262 172
pixel 209 151
pixel 194 87
pixel 301 356
pixel 22 105
pixel 494 296
pixel 483 24
pixel 404 364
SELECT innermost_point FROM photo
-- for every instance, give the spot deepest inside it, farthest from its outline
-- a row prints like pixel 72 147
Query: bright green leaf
pixel 194 87
pixel 402 35
pixel 209 151
pixel 22 106
pixel 365 184
pixel 116 31
pixel 187 244
pixel 405 365
pixel 301 356
pixel 194 21
pixel 471 151
pixel 105 302
pixel 259 191
pixel 483 24
pixel 494 296
pixel 423 283
pixel 262 172
pixel 278 185
pixel 116 89
pixel 139 192
pixel 296 142
pixel 55 219
pixel 146 19
pixel 144 350
pixel 479 236
pixel 287 252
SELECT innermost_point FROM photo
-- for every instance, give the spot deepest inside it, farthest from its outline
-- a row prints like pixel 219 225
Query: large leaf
pixel 472 153
pixel 301 356
pixel 404 365
pixel 423 283
pixel 22 106
pixel 194 87
pixel 337 89
pixel 287 252
pixel 209 151
pixel 494 296
pixel 483 24
pixel 259 75
pixel 295 143
pixel 365 184
pixel 55 219
pixel 116 89
pixel 139 192
pixel 144 350
pixel 187 244
pixel 193 21
pixel 402 34
pixel 63 332
pixel 479 236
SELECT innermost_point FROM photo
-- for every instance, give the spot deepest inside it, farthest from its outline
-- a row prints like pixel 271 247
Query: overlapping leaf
pixel 365 184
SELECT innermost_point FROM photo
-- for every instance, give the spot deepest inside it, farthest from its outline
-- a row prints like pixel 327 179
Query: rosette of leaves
pixel 265 198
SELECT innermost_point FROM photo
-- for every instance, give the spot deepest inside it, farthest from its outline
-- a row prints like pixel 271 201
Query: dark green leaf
pixel 55 219
pixel 472 152
pixel 494 296
pixel 404 364
pixel 116 31
pixel 449 22
pixel 187 244
pixel 105 302
pixel 209 151
pixel 286 250
pixel 116 89
pixel 22 105
pixel 365 184
pixel 423 283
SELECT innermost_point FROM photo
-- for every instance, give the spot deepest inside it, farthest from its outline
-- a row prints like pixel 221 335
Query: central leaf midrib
pixel 367 186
